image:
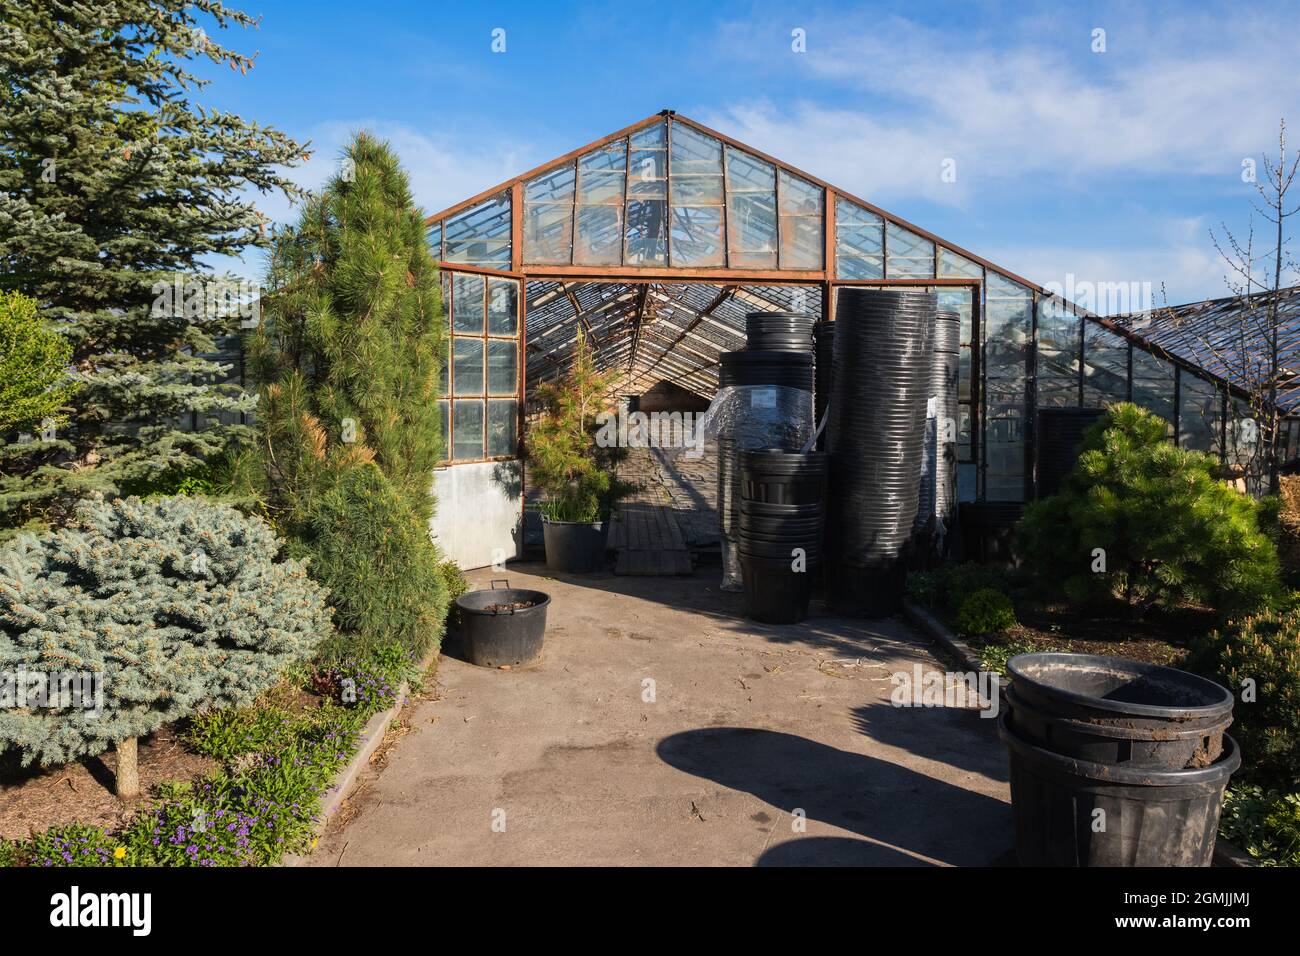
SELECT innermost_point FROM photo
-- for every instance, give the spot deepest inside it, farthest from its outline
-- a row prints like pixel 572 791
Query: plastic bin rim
pixel 1016 670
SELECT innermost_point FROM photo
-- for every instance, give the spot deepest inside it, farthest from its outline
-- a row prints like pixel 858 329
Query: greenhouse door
pixel 478 517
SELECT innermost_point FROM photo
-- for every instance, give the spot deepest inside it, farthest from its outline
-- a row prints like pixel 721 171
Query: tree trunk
pixel 128 769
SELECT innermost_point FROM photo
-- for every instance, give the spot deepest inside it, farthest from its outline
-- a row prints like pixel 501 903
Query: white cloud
pixel 1189 100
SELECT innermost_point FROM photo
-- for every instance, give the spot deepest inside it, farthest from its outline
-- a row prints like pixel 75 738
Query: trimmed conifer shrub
pixel 1149 524
pixel 173 604
pixel 347 363
pixel 367 543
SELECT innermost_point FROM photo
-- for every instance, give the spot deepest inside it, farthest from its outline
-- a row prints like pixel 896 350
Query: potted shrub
pixel 574 471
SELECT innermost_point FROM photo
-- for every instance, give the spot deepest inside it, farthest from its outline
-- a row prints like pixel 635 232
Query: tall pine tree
pixel 347 360
pixel 115 184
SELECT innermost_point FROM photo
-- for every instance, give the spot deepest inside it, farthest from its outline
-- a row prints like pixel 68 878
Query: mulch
pixel 1158 639
pixel 33 799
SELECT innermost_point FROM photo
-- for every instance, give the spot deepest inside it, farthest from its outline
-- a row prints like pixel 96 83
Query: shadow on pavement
pixel 908 812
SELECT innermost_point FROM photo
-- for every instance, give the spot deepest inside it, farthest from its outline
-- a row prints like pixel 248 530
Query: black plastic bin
pixel 494 633
pixel 1117 711
pixel 774 593
pixel 1072 812
pixel 780 531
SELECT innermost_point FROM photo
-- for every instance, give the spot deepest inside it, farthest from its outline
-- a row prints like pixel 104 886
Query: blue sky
pixel 1109 166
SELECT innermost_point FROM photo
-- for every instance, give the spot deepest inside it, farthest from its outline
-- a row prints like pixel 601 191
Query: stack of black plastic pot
pixel 938 490
pixel 779 332
pixel 1139 748
pixel 782 502
pixel 877 428
pixel 824 350
pixel 779 354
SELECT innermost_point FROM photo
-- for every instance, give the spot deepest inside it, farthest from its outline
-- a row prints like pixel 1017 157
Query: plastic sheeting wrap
pixel 743 418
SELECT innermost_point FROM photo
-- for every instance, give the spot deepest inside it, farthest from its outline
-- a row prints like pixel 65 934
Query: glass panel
pixel 467 367
pixel 467 303
pixel 611 157
pixel 444 376
pixel 954 266
pixel 751 211
pixel 600 236
pixel 434 237
pixel 1007 329
pixel 1153 385
pixel 502 377
pixel 548 217
pixel 1105 366
pixel 695 186
pixel 555 186
pixel 859 242
pixel 800 222
pixel 503 307
pixel 694 153
pixel 467 430
pixel 962 301
pixel 1058 354
pixel 910 256
pixel 480 235
pixel 647 169
pixel 501 428
pixel 647 237
pixel 696 191
pixel 751 228
pixel 645 224
pixel 548 233
pixel 652 137
pixel 1200 411
pixel 601 187
pixel 696 238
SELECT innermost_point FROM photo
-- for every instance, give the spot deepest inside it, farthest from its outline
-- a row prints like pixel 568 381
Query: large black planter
pixel 575 546
pixel 1111 710
pixel 1115 762
pixel 781 514
pixel 495 633
pixel 1072 812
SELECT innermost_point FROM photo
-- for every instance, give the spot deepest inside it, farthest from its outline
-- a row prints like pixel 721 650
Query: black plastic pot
pixel 1147 817
pixel 1117 711
pixel 1175 748
pixel 575 546
pixel 779 331
pixel 496 634
pixel 774 593
pixel 783 478
pixel 792 369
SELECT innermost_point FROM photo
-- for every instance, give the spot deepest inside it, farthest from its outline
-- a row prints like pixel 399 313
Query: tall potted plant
pixel 574 471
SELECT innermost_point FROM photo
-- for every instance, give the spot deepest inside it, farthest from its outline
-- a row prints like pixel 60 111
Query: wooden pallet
pixel 648 541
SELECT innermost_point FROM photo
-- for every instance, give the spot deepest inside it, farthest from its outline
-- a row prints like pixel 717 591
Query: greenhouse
pixel 656 241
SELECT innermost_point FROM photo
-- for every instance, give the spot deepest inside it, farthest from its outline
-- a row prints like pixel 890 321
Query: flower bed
pixel 275 759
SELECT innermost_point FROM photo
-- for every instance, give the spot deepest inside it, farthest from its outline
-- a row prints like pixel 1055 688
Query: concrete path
pixel 661 728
